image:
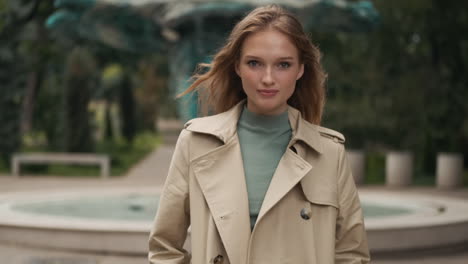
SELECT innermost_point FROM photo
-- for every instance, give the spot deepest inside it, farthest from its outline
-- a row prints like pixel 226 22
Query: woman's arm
pixel 351 239
pixel 172 219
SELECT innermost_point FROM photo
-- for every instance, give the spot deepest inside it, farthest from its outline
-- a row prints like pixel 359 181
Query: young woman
pixel 260 181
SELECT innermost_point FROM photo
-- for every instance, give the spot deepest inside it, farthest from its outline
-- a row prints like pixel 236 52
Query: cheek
pixel 248 78
pixel 288 80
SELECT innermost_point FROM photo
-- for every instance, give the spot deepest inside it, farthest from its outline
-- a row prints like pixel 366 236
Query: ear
pixel 301 71
pixel 236 67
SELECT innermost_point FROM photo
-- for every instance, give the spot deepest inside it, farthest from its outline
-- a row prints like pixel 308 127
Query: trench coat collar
pixel 224 126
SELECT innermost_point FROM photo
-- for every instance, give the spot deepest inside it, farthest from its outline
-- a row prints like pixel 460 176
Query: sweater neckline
pixel 272 122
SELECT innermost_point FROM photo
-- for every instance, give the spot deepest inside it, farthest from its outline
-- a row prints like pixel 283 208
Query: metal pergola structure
pixel 190 30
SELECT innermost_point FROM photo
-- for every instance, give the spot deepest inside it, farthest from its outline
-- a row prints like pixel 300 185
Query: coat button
pixel 218 259
pixel 305 213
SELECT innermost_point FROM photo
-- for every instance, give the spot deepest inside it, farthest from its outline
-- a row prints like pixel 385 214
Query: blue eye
pixel 284 65
pixel 253 63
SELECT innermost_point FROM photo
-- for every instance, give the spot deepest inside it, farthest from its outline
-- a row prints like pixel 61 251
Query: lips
pixel 268 92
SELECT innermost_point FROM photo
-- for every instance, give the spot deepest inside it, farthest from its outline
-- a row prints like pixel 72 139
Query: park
pixel 90 119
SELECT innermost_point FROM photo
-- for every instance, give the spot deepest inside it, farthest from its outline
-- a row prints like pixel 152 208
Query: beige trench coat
pixel 311 212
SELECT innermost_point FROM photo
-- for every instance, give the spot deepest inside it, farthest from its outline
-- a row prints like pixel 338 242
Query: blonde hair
pixel 219 86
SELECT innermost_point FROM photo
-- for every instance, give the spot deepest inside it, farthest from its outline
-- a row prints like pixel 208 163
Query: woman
pixel 260 182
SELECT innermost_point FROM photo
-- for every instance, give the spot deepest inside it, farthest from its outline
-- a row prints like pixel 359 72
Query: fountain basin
pixel 118 220
pixel 23 220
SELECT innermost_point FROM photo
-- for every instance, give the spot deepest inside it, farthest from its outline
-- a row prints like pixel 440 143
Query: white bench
pixel 62 158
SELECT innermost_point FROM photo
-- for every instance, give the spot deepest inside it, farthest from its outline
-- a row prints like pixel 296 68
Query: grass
pixel 465 178
pixel 3 166
pixel 375 168
pixel 123 156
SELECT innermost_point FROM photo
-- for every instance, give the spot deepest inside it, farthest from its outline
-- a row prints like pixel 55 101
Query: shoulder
pixel 325 134
pixel 220 121
pixel 200 121
pixel 331 134
pixel 222 126
pixel 211 128
pixel 214 122
pixel 209 125
pixel 332 141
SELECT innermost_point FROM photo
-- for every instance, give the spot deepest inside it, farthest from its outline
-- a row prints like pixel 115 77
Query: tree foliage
pixel 16 27
pixel 402 86
pixel 80 80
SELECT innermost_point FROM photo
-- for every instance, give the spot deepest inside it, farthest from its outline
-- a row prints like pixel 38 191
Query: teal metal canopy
pixel 140 25
pixel 118 24
pixel 189 31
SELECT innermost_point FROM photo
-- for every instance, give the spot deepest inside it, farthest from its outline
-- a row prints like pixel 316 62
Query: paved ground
pixel 146 173
pixel 151 172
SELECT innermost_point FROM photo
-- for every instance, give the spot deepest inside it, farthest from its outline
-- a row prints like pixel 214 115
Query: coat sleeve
pixel 351 239
pixel 169 229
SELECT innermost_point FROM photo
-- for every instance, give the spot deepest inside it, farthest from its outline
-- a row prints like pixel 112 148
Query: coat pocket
pixel 319 194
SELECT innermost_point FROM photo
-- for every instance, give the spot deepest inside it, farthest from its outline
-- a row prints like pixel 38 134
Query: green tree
pixel 402 86
pixel 80 80
pixel 17 27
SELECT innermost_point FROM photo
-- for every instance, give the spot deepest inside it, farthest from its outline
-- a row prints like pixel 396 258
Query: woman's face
pixel 269 68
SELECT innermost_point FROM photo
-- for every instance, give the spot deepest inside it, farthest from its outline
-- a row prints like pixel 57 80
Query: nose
pixel 267 78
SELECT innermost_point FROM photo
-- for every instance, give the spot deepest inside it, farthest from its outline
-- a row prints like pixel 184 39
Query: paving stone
pixel 60 260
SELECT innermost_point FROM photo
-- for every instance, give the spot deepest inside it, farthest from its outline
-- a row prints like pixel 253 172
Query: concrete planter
pixel 399 168
pixel 449 172
pixel 357 161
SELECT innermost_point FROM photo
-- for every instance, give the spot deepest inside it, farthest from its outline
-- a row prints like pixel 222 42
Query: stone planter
pixel 449 171
pixel 357 162
pixel 399 168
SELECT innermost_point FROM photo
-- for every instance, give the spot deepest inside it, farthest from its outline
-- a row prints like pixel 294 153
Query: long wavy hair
pixel 219 86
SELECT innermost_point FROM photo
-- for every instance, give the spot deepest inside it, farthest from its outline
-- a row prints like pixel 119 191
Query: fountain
pixel 117 220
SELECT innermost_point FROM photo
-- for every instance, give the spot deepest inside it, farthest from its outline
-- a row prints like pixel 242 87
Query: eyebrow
pixel 281 58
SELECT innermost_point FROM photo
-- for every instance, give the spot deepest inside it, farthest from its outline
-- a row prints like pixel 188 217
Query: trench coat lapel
pixel 290 171
pixel 220 174
pixel 292 167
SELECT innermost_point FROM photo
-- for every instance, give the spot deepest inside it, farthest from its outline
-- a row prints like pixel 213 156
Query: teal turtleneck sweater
pixel 263 141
